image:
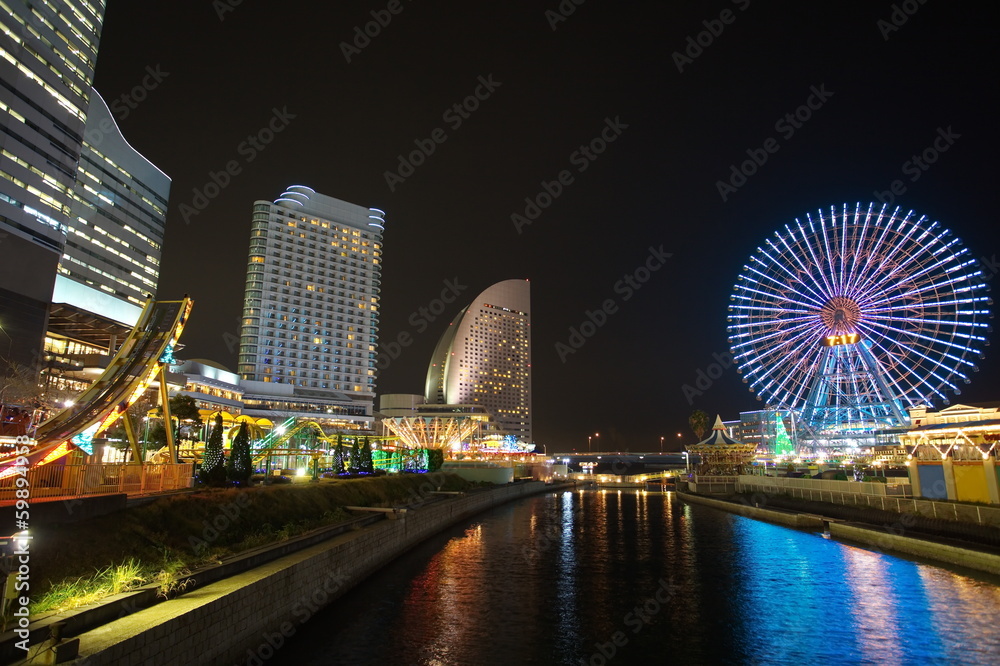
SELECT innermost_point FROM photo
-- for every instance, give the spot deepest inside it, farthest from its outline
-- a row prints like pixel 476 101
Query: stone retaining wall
pixel 786 518
pixel 248 617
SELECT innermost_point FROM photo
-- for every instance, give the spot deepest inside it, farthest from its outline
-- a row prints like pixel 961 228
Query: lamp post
pixel 661 445
pixel 588 443
pixel 687 462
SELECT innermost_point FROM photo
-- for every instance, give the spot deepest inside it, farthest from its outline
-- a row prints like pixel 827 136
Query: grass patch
pixel 163 540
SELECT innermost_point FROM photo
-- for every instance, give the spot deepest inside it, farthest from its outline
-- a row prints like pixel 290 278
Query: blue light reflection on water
pixel 553 580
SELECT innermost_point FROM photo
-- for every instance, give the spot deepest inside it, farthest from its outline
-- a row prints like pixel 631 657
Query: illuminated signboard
pixel 843 339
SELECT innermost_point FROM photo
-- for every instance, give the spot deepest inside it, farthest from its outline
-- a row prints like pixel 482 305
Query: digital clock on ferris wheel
pixel 842 339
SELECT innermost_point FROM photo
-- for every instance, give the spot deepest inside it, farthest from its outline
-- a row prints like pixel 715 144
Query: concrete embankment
pixel 932 550
pixel 882 539
pixel 248 617
pixel 786 518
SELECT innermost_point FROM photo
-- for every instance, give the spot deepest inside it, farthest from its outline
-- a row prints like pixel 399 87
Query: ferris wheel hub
pixel 840 315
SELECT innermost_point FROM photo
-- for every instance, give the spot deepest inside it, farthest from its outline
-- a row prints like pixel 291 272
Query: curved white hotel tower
pixel 484 358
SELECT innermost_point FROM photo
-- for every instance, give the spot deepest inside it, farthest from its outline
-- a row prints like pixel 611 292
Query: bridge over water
pixel 627 464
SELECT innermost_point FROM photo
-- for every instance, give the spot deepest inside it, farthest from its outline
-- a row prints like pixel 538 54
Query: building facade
pixel 48 51
pixel 111 260
pixel 484 358
pixel 310 317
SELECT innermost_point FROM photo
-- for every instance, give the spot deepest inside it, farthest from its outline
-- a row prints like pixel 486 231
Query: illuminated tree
pixel 339 457
pixel 365 464
pixel 782 443
pixel 239 467
pixel 355 463
pixel 213 462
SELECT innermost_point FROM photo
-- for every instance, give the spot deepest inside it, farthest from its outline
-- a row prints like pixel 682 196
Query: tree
pixel 435 458
pixel 698 421
pixel 366 466
pixel 185 410
pixel 239 467
pixel 339 457
pixel 355 463
pixel 213 462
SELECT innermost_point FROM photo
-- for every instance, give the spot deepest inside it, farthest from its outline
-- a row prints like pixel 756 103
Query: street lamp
pixel 661 446
pixel 588 443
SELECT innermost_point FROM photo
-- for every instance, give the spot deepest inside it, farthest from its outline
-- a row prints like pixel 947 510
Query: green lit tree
pixel 213 462
pixel 355 463
pixel 239 467
pixel 435 458
pixel 366 465
pixel 339 457
pixel 782 443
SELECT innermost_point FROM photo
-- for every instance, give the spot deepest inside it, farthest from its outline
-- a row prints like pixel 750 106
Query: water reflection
pixel 573 576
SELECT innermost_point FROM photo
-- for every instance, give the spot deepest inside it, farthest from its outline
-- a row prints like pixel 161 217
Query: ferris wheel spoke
pixel 782 284
pixel 817 263
pixel 878 273
pixel 858 241
pixel 912 378
pixel 870 252
pixel 927 338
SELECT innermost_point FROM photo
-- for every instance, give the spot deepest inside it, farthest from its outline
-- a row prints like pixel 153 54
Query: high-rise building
pixel 111 255
pixel 47 58
pixel 111 260
pixel 484 358
pixel 310 317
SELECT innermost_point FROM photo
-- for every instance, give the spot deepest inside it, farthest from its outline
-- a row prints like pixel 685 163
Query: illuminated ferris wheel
pixel 851 315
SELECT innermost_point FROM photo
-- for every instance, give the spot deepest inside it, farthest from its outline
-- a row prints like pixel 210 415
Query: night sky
pixel 555 83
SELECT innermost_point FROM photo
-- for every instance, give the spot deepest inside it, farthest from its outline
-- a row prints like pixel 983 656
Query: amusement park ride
pixel 142 359
pixel 848 318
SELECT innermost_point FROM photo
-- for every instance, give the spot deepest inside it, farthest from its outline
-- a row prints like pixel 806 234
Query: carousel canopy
pixel 718 437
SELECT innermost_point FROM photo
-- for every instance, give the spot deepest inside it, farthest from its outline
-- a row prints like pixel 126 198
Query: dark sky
pixel 887 91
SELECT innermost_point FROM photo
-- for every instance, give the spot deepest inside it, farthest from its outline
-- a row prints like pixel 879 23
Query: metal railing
pixel 99 479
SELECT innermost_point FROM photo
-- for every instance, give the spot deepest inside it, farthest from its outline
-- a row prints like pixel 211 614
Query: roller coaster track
pixel 141 357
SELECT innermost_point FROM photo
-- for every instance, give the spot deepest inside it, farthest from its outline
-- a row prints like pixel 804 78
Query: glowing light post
pixel 687 461
pixel 661 446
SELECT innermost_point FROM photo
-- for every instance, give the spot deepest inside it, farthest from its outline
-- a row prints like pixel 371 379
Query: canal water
pixel 628 577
